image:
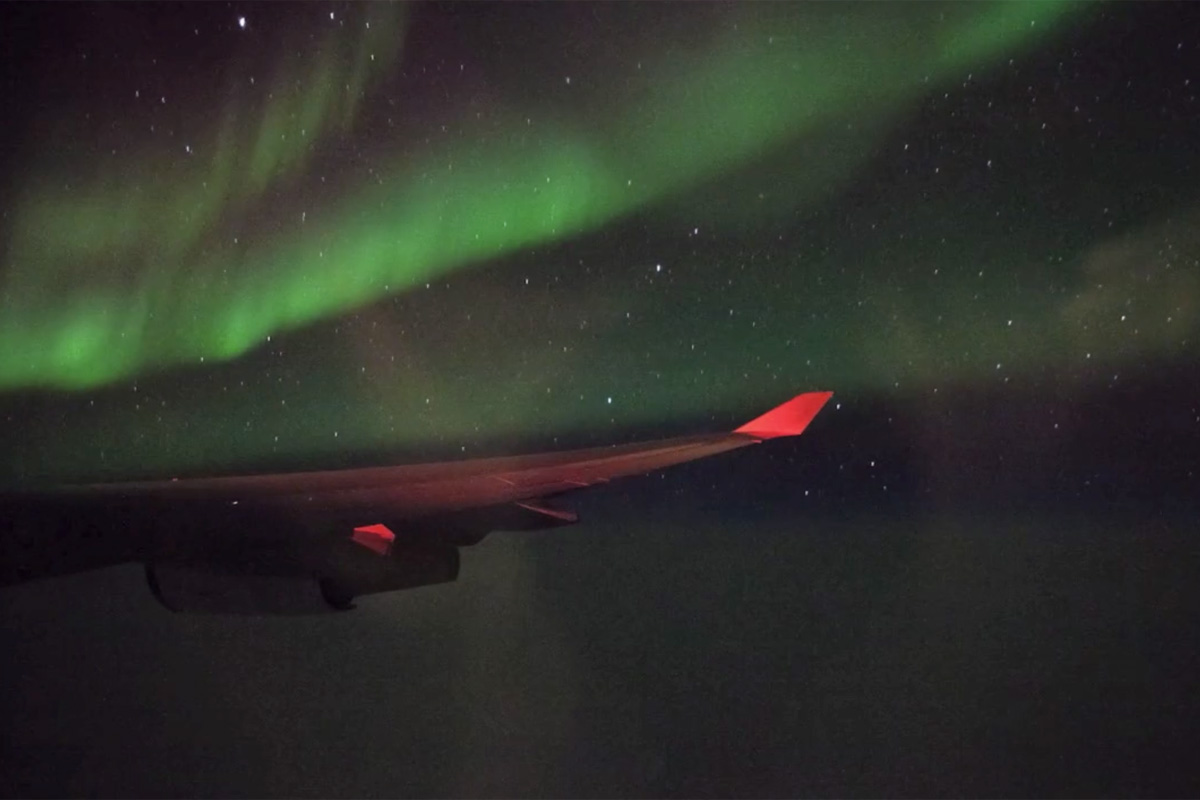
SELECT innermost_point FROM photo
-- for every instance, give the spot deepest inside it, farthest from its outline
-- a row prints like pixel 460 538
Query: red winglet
pixel 789 419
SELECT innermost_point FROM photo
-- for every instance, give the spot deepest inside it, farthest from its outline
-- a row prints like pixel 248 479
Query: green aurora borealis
pixel 136 262
pixel 661 214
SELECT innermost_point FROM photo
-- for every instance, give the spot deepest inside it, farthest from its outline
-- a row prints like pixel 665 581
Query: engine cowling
pixel 348 571
pixel 202 590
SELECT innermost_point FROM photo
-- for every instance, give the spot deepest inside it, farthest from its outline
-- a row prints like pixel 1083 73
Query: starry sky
pixel 240 236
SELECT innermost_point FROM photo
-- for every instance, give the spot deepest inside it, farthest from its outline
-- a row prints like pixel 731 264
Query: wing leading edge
pixel 420 489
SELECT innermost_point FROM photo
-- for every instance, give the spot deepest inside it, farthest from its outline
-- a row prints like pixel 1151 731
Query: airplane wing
pixel 206 540
pixel 421 489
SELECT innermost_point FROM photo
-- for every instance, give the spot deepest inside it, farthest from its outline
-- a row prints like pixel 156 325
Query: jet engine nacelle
pixel 201 590
pixel 349 571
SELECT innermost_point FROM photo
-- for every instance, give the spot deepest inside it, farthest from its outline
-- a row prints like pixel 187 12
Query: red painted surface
pixel 375 537
pixel 789 419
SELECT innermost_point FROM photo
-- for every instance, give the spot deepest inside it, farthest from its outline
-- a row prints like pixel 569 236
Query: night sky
pixel 237 237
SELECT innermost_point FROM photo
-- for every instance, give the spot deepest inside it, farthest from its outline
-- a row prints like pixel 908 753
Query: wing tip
pixel 787 419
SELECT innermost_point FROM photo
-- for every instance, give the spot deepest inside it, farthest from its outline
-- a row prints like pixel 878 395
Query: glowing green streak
pixel 139 268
